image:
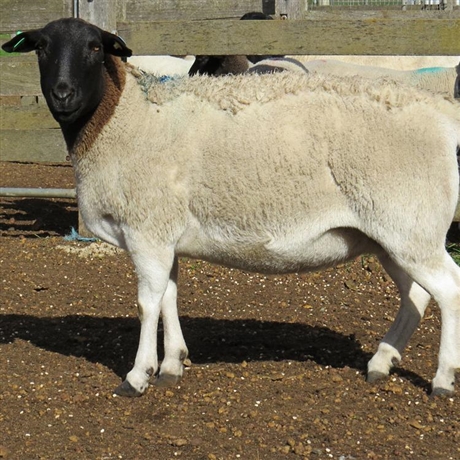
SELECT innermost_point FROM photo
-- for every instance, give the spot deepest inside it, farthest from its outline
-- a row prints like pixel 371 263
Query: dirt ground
pixel 277 369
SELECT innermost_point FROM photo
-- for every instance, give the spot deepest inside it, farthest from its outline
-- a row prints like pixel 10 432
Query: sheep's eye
pixel 95 48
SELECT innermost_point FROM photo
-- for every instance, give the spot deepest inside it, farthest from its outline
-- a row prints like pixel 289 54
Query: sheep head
pixel 71 56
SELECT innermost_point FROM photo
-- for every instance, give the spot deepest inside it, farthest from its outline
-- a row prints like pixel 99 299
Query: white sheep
pixel 275 173
pixel 442 80
pixel 390 62
pixel 163 65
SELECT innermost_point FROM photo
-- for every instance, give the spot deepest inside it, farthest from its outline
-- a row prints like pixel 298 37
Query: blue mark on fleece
pixel 430 70
pixel 165 78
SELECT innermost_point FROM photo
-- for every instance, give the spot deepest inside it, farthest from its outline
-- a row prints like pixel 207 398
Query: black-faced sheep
pixel 235 65
pixel 218 66
pixel 274 173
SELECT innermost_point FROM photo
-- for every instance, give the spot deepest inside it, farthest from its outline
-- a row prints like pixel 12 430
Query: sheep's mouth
pixel 66 116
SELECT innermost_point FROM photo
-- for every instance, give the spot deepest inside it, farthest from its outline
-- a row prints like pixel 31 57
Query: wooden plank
pixel 10 101
pixel 30 14
pixel 33 116
pixel 40 145
pixel 330 37
pixel 370 36
pixel 164 10
pixel 19 77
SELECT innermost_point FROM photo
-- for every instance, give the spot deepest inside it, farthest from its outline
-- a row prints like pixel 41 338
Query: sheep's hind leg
pixel 440 276
pixel 447 294
pixel 153 271
pixel 176 352
pixel 414 300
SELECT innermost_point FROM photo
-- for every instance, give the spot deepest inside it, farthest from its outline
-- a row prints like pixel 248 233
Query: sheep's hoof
pixel 375 376
pixel 441 393
pixel 166 380
pixel 127 390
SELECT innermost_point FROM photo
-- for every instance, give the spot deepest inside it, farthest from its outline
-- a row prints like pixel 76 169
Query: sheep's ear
pixel 115 45
pixel 23 42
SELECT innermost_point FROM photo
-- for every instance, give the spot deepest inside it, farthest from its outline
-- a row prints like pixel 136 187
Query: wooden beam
pixel 322 37
pixel 19 75
pixel 34 145
pixel 30 14
pixel 32 116
pixel 173 10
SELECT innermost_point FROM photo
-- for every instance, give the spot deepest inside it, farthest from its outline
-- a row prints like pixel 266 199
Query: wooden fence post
pixel 290 9
pixel 102 13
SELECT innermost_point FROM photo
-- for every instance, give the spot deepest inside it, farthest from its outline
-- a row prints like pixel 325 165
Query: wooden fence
pixel 28 132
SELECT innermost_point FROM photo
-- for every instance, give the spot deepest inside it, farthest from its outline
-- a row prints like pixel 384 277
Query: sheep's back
pixel 235 93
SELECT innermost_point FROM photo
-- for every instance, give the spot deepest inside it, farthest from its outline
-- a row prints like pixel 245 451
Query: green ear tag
pixel 20 41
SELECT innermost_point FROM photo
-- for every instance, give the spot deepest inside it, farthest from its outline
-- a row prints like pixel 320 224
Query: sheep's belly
pixel 292 253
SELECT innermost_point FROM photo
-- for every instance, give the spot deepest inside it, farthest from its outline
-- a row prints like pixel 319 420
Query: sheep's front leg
pixel 153 271
pixel 172 367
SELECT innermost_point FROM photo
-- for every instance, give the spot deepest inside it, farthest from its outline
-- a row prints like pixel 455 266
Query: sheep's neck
pixel 81 135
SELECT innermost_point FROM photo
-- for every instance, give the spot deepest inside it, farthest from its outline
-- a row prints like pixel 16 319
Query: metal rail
pixel 38 192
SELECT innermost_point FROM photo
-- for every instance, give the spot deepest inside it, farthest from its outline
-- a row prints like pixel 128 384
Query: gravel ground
pixel 277 369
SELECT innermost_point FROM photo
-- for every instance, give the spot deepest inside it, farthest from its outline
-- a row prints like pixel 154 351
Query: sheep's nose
pixel 63 92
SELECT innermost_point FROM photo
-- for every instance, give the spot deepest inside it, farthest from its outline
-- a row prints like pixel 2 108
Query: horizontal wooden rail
pixel 413 36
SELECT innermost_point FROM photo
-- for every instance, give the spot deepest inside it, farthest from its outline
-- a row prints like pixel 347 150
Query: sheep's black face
pixel 71 61
pixel 71 69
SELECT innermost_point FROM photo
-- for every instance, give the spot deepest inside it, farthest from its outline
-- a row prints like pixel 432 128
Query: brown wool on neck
pixel 115 79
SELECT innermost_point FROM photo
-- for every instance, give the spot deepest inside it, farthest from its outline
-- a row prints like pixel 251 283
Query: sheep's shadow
pixel 47 217
pixel 113 341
